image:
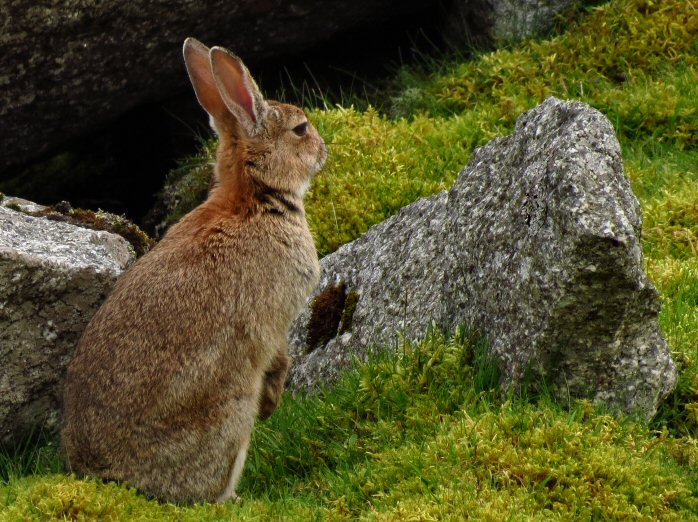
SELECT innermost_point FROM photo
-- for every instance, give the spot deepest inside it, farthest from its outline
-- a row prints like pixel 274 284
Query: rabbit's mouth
pixel 322 158
pixel 317 167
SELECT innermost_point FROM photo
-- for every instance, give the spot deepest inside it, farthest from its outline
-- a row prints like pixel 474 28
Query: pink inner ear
pixel 234 82
pixel 243 97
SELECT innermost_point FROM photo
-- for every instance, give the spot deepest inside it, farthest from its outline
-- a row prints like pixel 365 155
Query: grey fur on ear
pixel 198 64
pixel 238 90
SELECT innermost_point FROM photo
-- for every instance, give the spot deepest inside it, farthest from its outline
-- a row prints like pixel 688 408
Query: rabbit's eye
pixel 300 130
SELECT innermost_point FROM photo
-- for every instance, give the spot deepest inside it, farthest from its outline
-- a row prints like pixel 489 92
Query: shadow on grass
pixel 37 454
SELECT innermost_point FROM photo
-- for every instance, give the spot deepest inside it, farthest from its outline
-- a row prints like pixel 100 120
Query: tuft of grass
pixel 38 454
pixel 368 408
pixel 677 281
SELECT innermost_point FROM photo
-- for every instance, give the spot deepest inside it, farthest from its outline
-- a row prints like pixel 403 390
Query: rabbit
pixel 190 347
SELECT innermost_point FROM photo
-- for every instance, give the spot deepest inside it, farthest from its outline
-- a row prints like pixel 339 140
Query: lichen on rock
pixel 139 241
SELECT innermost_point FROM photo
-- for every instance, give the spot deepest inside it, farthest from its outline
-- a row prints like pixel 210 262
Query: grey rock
pixel 493 23
pixel 21 204
pixel 536 246
pixel 53 277
pixel 68 67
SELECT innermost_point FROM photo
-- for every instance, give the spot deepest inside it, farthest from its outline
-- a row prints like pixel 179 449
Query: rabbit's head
pixel 271 145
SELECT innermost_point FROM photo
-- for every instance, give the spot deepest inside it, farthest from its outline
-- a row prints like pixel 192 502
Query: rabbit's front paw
pixel 225 498
pixel 273 386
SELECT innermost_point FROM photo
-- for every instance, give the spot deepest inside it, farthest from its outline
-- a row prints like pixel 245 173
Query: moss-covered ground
pixel 425 434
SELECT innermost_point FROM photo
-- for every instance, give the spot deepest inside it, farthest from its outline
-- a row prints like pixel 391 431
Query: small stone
pixel 64 207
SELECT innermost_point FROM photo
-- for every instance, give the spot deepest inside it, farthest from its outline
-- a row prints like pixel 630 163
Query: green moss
pixel 603 53
pixel 377 166
pixel 408 436
pixel 671 223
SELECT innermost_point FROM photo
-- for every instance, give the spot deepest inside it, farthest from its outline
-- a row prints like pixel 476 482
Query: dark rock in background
pixel 68 67
pixel 537 246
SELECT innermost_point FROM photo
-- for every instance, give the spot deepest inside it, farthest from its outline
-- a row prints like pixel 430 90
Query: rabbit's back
pixel 182 342
pixel 201 295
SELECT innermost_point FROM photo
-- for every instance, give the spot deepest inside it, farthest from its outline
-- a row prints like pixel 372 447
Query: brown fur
pixel 190 346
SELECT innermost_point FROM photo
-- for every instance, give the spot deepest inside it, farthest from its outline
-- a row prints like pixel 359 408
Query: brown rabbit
pixel 190 346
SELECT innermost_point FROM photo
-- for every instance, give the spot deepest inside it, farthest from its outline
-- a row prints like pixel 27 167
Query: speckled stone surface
pixel 53 277
pixel 537 246
pixel 493 23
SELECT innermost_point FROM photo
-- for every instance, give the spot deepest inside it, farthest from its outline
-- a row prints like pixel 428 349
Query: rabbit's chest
pixel 276 273
pixel 295 268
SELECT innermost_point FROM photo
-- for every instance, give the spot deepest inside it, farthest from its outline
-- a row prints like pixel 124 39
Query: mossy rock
pixel 97 220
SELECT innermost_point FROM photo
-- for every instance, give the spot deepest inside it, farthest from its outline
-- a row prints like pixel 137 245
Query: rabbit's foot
pixel 226 497
pixel 235 474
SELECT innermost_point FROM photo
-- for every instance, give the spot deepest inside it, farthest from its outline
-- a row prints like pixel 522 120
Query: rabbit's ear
pixel 196 58
pixel 238 90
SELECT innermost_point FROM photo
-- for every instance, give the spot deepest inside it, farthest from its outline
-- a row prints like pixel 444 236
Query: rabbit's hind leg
pixel 235 473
